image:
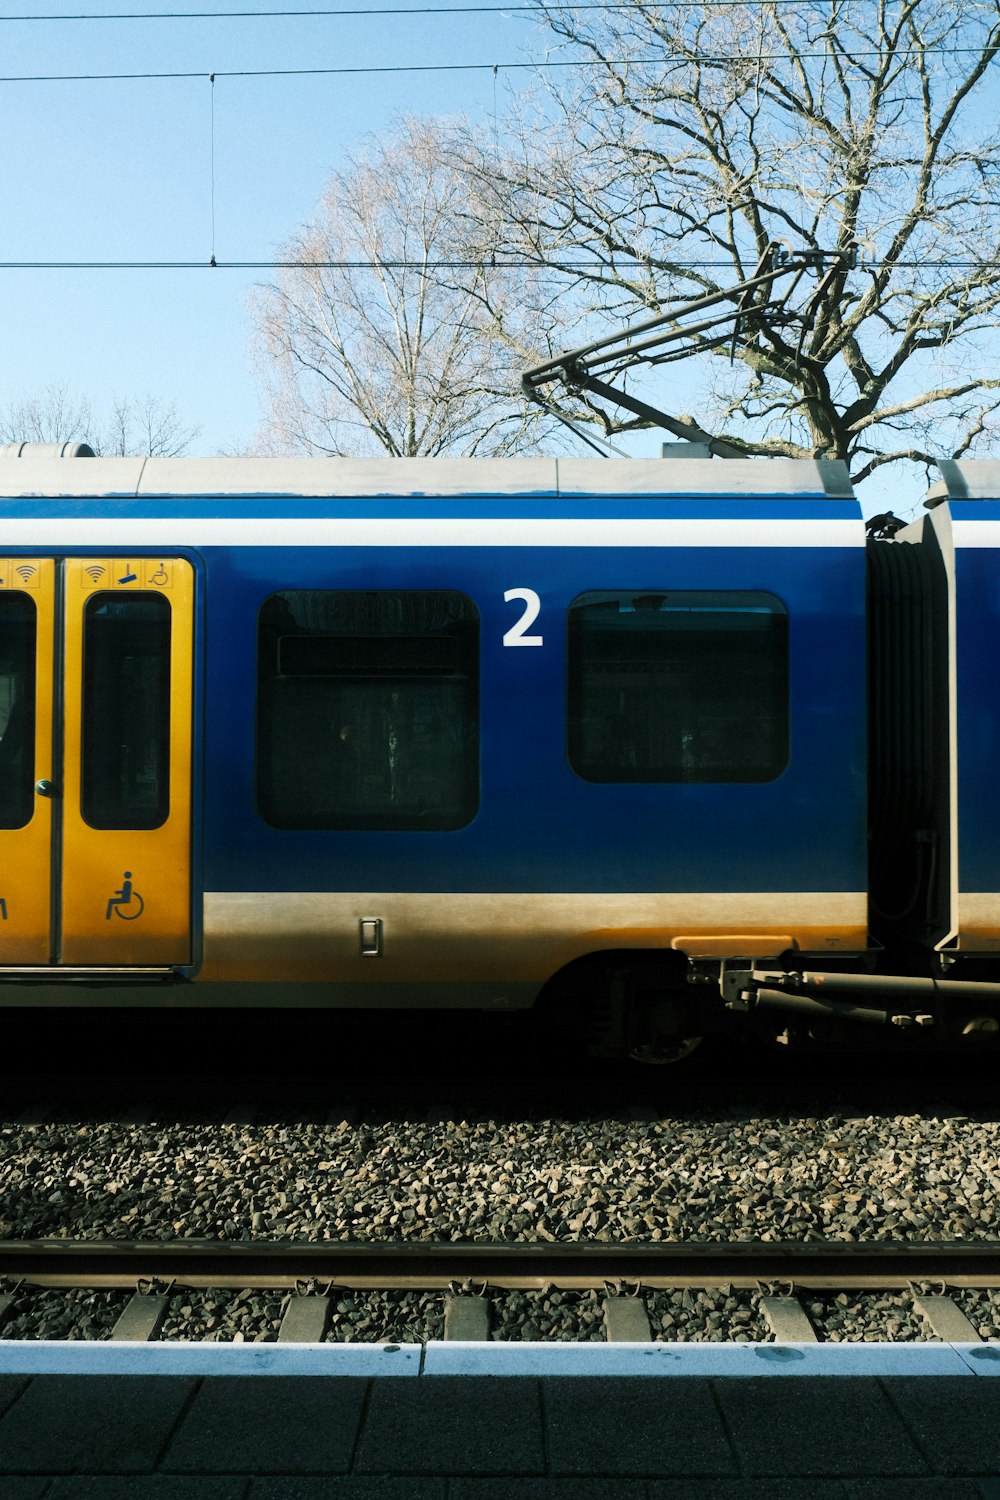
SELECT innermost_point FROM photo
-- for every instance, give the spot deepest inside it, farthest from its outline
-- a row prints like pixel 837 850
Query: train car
pixel 962 533
pixel 433 733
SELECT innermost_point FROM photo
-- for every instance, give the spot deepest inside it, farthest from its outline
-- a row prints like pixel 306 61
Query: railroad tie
pixel 946 1321
pixel 305 1320
pixel 626 1320
pixel 141 1318
pixel 466 1319
pixel 788 1320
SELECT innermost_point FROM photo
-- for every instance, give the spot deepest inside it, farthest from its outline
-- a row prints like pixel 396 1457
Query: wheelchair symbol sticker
pixel 126 902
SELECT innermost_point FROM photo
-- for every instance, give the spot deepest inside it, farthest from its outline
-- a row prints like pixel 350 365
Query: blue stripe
pixel 975 510
pixel 485 508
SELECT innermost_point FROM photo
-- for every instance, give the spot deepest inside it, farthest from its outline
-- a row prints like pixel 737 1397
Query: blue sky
pixel 122 171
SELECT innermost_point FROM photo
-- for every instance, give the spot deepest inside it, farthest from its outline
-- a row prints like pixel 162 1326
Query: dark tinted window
pixel 17 709
pixel 681 687
pixel 368 709
pixel 126 711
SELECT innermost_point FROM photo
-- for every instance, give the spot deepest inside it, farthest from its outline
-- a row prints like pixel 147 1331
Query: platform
pixel 420 1436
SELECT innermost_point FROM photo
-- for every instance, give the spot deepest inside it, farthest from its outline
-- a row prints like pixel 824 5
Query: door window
pixel 18 629
pixel 125 781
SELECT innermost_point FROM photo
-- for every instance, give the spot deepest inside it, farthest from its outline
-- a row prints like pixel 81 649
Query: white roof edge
pixel 52 478
pixel 419 478
pixel 966 479
pixel 699 476
pixel 414 478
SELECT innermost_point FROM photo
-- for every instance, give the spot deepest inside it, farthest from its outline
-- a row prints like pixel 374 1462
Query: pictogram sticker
pixel 126 901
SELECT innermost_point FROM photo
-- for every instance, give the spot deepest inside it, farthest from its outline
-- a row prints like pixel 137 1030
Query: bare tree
pixel 141 426
pixel 700 134
pixel 391 333
pixel 146 426
pixel 51 415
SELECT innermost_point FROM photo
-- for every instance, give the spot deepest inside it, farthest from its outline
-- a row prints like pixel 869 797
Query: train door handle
pixel 45 788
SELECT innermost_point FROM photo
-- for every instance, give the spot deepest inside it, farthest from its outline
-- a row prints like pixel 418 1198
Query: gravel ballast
pixel 674 1179
pixel 688 1315
pixel 712 1315
pixel 77 1314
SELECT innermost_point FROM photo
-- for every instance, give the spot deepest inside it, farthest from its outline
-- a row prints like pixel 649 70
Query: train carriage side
pixel 964 511
pixel 446 733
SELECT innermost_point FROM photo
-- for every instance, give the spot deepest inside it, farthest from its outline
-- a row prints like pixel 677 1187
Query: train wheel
pixel 659 1028
pixel 658 1053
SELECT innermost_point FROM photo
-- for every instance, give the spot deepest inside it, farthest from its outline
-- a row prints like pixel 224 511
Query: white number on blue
pixel 532 604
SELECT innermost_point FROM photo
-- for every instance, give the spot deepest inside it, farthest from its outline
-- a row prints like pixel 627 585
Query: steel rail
pixel 435 1266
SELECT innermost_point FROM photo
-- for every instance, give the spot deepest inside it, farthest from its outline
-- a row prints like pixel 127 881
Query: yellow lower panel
pixel 438 938
pixel 24 890
pixel 979 921
pixel 124 902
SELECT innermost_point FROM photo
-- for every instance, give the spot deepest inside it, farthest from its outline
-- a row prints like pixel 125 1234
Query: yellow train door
pixel 95 871
pixel 27 648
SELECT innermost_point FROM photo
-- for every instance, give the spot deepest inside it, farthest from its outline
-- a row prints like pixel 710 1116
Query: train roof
pixel 121 478
pixel 966 479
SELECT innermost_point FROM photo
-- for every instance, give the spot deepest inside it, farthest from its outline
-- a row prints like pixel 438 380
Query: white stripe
pixel 502 937
pixel 275 531
pixel 981 907
pixel 707 1359
pixel 48 1357
pixel 30 1357
pixel 480 936
pixel 976 533
pixel 522 912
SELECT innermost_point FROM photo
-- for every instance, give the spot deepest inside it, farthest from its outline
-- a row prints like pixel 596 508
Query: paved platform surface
pixel 67 1437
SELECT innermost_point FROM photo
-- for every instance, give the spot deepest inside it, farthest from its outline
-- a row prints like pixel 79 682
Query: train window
pixel 678 687
pixel 17 709
pixel 368 709
pixel 125 772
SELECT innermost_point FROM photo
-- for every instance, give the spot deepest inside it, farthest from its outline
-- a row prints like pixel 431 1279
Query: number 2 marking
pixel 532 604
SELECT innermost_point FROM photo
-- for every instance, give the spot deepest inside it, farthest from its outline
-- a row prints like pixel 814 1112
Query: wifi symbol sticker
pixel 95 572
pixel 26 572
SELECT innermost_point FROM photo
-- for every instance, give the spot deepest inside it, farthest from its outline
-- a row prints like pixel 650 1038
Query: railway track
pixel 783 1277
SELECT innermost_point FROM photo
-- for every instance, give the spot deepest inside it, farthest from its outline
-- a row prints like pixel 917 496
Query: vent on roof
pixel 685 450
pixel 46 450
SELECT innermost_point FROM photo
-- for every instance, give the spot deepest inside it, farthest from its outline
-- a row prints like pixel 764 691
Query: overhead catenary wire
pixel 415 10
pixel 301 72
pixel 490 264
pixel 703 59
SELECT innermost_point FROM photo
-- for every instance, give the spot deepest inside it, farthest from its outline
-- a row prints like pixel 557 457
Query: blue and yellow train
pixel 663 744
